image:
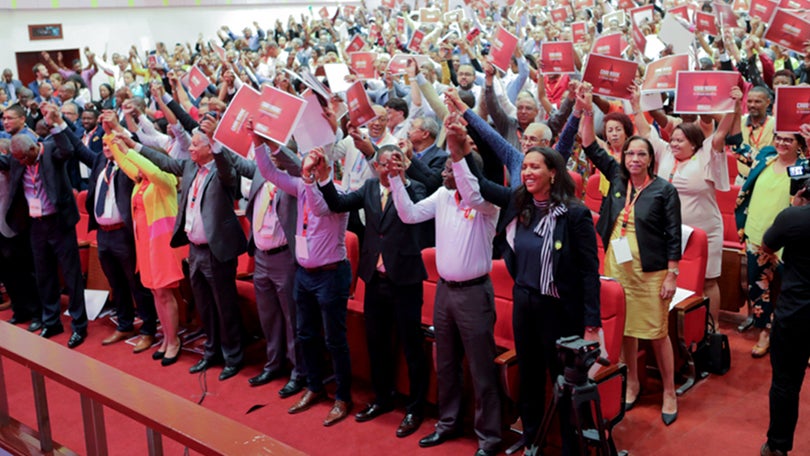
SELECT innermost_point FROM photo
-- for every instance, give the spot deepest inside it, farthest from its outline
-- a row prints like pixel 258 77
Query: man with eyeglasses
pixel 14 123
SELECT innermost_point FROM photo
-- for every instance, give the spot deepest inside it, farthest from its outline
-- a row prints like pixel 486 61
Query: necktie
pixel 265 199
pixel 384 198
pixel 104 188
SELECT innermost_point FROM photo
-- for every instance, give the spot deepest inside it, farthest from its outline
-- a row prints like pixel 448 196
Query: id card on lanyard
pixel 621 246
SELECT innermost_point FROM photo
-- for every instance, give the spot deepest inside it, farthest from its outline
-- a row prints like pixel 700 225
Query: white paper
pixel 621 250
pixel 673 32
pixel 680 295
pixel 651 101
pixel 686 232
pixel 313 130
pixel 301 247
pixel 654 47
pixel 94 301
pixel 336 75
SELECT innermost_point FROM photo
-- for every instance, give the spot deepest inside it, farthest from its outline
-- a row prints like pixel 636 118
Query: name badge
pixel 301 248
pixel 621 250
pixel 35 207
pixel 189 222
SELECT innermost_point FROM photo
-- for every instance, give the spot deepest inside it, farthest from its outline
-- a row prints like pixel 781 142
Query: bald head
pixel 24 149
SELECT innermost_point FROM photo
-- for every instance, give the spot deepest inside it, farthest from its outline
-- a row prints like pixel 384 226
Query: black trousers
pixel 55 248
pixel 116 253
pixel 790 351
pixel 388 305
pixel 17 274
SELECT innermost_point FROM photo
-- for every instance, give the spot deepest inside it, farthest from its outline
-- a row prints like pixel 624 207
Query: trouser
pixel 761 276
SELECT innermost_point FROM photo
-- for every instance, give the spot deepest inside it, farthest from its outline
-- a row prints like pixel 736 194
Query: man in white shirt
pixel 464 313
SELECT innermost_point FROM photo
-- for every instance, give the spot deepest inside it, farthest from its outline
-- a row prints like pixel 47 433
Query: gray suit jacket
pixel 225 236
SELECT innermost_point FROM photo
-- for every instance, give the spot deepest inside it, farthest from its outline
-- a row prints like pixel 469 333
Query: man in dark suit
pixel 206 220
pixel 272 216
pixel 11 85
pixel 41 198
pixel 108 205
pixel 391 266
pixel 41 75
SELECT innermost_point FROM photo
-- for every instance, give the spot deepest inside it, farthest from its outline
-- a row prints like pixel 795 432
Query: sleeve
pixel 565 144
pixel 315 201
pixel 288 184
pixel 495 111
pixel 410 212
pixel 470 192
pixel 429 92
pixel 516 84
pixel 494 142
pixel 558 118
pixel 714 165
pixel 603 161
pixel 343 202
pixel 430 177
pixel 776 236
pixel 673 223
pixel 152 172
pixel 183 142
pixel 163 161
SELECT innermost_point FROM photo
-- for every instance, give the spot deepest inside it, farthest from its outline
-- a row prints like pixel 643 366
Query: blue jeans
pixel 321 299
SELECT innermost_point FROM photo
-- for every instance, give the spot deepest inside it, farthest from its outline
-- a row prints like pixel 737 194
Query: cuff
pixel 166 98
pixel 58 128
pixel 216 148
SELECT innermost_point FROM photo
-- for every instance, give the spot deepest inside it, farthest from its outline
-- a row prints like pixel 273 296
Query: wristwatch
pixel 675 271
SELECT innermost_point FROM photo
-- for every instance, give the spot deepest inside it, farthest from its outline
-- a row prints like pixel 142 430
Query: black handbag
pixel 713 354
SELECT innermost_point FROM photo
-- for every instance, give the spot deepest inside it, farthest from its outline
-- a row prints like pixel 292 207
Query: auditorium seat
pixel 731 158
pixel 734 271
pixel 83 236
pixel 353 255
pixel 578 187
pixel 593 198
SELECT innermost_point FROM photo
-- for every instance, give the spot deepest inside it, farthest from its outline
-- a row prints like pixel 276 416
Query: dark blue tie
pixel 102 190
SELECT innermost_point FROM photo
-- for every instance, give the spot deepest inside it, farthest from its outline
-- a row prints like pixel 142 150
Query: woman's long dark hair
pixel 562 189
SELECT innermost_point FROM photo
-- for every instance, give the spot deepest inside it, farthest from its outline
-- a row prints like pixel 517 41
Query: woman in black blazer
pixel 548 242
pixel 640 225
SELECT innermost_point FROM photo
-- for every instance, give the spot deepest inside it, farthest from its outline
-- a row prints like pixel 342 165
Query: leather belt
pixel 113 227
pixel 466 283
pixel 326 267
pixel 276 250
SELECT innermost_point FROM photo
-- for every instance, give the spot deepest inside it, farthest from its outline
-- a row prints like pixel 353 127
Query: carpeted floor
pixel 725 415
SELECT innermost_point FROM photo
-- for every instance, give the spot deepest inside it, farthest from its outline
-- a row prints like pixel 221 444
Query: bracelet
pixel 577 112
pixel 587 113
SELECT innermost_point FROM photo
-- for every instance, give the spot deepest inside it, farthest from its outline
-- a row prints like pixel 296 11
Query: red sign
pixel 609 76
pixel 626 5
pixel 416 41
pixel 705 92
pixel 277 115
pixel 232 130
pixel 538 3
pixel 389 3
pixel 349 10
pixel 360 110
pixel 789 30
pixel 559 15
pixel 582 4
pixel 611 44
pixel 682 12
pixel 791 108
pixel 642 14
pixel 473 34
pixel 639 39
pixel 356 44
pixel 429 15
pixel 579 32
pixel 373 33
pixel 557 57
pixel 705 22
pixel 661 74
pixel 763 9
pixel 362 63
pixel 801 5
pixel 324 13
pixel 400 25
pixel 725 15
pixel 503 45
pixel 197 82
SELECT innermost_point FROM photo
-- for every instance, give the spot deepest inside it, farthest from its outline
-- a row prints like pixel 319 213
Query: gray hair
pixel 430 125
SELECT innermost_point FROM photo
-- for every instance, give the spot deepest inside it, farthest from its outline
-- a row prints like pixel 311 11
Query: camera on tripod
pixel 799 179
pixel 577 356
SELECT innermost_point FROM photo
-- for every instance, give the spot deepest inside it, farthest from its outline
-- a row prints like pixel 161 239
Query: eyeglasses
pixel 11 118
pixel 784 139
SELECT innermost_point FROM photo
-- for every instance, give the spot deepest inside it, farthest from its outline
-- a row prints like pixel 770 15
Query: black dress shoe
pixel 409 425
pixel 169 360
pixel 263 378
pixel 371 411
pixel 15 320
pixel 35 326
pixel 158 355
pixel 76 339
pixel 50 331
pixel 436 439
pixel 669 418
pixel 201 365
pixel 229 371
pixel 293 387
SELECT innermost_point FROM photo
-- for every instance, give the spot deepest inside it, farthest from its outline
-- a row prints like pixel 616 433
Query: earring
pixel 552 180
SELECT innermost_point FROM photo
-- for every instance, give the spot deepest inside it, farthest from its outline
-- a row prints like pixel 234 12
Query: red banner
pixel 705 22
pixel 582 4
pixel 579 32
pixel 638 38
pixel 277 115
pixel 503 45
pixel 609 76
pixel 682 12
pixel 349 10
pixel 763 9
pixel 360 110
pixel 362 63
pixel 725 15
pixel 197 82
pixel 400 25
pixel 801 5
pixel 661 75
pixel 791 108
pixel 642 14
pixel 232 130
pixel 356 44
pixel 626 5
pixel 557 57
pixel 559 15
pixel 705 92
pixel 611 44
pixel 788 30
pixel 415 45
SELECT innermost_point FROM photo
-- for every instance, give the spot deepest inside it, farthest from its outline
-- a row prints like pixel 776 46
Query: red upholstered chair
pixel 579 188
pixel 690 316
pixel 246 264
pixel 429 287
pixel 246 297
pixel 731 158
pixel 734 273
pixel 353 254
pixel 84 237
pixel 356 334
pixel 593 198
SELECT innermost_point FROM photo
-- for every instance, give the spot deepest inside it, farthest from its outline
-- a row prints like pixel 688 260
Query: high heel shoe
pixel 629 405
pixel 669 418
pixel 167 361
pixel 158 355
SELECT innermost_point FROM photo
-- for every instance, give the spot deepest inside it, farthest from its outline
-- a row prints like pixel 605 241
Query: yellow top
pixel 770 196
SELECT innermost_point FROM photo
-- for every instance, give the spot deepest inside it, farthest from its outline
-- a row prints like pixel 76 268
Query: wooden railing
pixel 100 386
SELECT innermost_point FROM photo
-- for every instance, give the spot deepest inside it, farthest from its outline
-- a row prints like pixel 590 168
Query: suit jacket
pixel 286 208
pixel 427 169
pixel 385 232
pixel 96 162
pixel 574 258
pixel 657 213
pixel 225 236
pixel 11 88
pixel 57 187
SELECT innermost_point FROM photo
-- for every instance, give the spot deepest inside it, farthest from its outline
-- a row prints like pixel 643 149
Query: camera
pixel 577 356
pixel 799 179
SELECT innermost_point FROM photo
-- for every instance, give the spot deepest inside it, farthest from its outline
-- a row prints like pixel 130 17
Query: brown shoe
pixel 118 336
pixel 307 400
pixel 144 343
pixel 339 411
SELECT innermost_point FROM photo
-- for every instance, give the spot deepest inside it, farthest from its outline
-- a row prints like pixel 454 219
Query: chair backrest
pixel 600 247
pixel 733 171
pixel 502 284
pixel 579 189
pixel 429 285
pixel 693 262
pixel 83 236
pixel 727 201
pixel 593 198
pixel 613 312
pixel 353 254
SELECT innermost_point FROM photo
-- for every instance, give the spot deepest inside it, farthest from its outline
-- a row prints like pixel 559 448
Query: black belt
pixel 113 227
pixel 326 267
pixel 466 283
pixel 276 250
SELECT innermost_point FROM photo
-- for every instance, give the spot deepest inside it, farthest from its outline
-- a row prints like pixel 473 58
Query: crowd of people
pixel 460 155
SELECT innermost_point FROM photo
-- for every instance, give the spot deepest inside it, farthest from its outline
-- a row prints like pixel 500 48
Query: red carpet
pixel 725 415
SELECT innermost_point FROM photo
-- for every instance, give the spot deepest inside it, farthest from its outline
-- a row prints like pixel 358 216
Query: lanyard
pixel 751 140
pixel 36 168
pixel 675 168
pixel 197 184
pixel 628 205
